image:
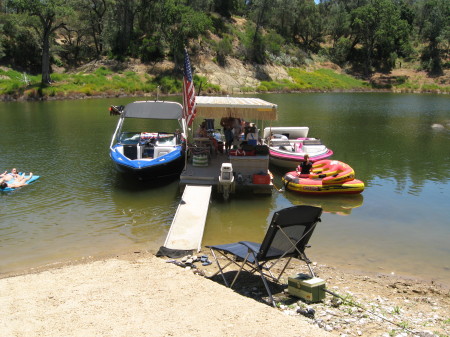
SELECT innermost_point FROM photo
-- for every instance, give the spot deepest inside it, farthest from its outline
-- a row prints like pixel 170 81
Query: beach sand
pixel 138 294
pixel 144 296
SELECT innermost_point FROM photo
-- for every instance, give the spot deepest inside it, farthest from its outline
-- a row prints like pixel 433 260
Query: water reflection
pixel 146 207
pixel 335 204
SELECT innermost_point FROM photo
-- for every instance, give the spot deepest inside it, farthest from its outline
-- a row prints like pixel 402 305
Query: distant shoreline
pixel 12 98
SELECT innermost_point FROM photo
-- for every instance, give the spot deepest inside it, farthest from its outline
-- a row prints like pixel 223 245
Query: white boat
pixel 148 153
pixel 289 145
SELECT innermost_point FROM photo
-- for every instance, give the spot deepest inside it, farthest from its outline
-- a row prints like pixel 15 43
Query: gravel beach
pixel 139 294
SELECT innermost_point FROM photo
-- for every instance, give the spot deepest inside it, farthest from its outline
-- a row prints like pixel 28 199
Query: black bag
pixel 261 150
pixel 248 147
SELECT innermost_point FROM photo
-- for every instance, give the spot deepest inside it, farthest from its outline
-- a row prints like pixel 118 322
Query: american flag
pixel 188 92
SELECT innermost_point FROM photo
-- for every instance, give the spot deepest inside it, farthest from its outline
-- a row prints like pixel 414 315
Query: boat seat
pixel 130 151
pixel 162 150
pixel 287 148
pixel 281 143
pixel 312 142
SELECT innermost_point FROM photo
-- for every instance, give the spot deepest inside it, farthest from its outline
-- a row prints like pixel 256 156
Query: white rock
pixel 438 126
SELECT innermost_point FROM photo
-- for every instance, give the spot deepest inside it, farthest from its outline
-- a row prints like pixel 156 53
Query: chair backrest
pixel 289 232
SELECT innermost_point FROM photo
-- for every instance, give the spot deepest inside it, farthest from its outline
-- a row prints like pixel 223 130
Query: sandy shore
pixel 142 295
pixel 135 297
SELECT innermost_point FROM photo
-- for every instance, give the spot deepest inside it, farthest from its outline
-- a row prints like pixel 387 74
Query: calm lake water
pixel 81 207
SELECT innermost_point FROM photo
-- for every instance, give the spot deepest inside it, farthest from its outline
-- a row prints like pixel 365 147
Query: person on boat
pixel 201 131
pixel 305 166
pixel 18 182
pixel 227 124
pixel 237 128
pixel 250 132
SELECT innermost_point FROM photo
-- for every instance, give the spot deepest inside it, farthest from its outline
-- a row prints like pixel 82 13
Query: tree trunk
pixel 46 57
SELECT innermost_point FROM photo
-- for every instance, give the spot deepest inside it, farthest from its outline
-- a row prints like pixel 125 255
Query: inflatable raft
pixel 33 179
pixel 326 177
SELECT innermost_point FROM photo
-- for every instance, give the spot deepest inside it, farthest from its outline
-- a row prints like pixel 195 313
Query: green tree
pixel 283 18
pixel 93 13
pixel 122 24
pixel 338 22
pixel 179 23
pixel 434 22
pixel 381 31
pixel 20 46
pixel 226 8
pixel 308 25
pixel 45 16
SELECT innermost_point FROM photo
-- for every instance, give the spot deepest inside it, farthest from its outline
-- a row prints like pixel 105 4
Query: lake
pixel 81 207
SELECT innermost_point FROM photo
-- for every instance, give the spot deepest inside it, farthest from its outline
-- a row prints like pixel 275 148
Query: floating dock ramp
pixel 186 231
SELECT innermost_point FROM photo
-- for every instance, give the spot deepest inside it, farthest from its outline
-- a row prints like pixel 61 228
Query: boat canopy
pixel 238 107
pixel 153 110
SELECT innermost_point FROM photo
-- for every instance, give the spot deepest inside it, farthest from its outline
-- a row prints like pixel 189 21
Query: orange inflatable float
pixel 326 177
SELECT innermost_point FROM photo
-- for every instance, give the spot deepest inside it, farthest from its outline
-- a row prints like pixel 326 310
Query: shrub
pixel 102 71
pixel 152 49
pixel 223 49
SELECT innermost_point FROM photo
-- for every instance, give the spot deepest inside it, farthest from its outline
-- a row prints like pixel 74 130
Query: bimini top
pixel 238 107
pixel 153 110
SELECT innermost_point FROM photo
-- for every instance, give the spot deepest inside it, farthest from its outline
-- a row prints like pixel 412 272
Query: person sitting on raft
pixel 306 166
pixel 5 176
pixel 18 182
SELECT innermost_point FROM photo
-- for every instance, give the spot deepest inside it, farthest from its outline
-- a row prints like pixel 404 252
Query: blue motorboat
pixel 149 154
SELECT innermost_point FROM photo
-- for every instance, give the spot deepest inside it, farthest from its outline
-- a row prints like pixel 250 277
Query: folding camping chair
pixel 287 237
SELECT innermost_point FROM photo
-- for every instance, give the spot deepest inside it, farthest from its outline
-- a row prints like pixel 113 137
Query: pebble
pixel 328 328
pixel 334 314
pixel 403 334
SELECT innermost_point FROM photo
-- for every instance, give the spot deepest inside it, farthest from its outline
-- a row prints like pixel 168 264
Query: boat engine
pixel 226 180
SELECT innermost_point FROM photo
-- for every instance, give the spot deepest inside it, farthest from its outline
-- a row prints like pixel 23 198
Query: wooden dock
pixel 186 231
pixel 243 166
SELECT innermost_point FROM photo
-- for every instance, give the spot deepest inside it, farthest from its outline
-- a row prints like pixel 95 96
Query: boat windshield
pixel 166 139
pixel 133 138
pixel 129 138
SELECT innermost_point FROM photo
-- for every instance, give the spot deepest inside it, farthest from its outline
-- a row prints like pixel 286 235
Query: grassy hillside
pixel 105 82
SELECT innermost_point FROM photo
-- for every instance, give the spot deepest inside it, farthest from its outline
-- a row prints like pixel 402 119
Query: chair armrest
pixel 251 246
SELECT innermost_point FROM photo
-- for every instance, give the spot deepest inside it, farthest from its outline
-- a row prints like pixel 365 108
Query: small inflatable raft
pixel 326 177
pixel 33 178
